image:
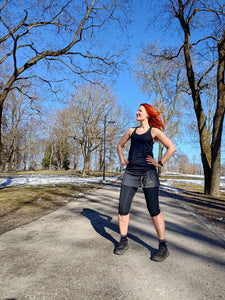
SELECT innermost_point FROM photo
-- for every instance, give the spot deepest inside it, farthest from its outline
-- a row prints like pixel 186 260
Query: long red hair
pixel 154 116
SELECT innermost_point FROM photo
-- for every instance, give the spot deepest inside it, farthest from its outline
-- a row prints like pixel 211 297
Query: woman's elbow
pixel 173 149
pixel 119 146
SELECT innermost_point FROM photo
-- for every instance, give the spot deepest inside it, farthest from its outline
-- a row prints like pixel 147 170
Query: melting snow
pixel 40 179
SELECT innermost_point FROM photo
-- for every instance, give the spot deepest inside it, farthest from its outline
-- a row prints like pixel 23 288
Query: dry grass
pixel 210 207
pixel 21 205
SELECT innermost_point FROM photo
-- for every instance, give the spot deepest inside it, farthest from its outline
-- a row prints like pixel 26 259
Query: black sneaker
pixel 122 247
pixel 161 254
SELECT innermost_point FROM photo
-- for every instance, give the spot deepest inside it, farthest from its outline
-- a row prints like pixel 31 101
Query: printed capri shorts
pixel 149 182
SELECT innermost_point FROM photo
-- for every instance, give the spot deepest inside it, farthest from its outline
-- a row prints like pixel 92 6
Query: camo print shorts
pixel 148 179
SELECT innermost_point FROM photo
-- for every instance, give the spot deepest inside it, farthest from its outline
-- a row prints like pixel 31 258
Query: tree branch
pixel 207 72
pixel 52 21
pixel 11 32
pixel 3 5
pixel 38 77
pixel 18 47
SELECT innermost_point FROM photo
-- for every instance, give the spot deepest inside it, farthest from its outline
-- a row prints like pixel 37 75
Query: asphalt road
pixel 68 254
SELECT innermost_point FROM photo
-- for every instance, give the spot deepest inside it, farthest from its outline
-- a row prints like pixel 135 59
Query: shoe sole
pixel 158 259
pixel 121 252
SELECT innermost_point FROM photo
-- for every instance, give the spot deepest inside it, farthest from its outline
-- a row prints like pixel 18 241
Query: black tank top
pixel 141 146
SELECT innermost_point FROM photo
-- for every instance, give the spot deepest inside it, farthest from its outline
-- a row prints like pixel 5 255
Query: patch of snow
pixel 219 219
pixel 167 183
pixel 42 179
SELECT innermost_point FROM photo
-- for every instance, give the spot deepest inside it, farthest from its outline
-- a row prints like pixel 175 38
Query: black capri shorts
pixel 127 194
pixel 150 185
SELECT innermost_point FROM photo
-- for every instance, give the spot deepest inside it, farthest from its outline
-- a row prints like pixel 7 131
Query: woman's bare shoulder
pixel 155 131
pixel 130 131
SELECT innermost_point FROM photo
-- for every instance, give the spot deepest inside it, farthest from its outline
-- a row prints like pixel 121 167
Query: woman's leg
pixel 152 200
pixel 123 224
pixel 126 196
pixel 159 224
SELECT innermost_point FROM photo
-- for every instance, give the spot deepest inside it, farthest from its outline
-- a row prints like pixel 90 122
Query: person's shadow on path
pixel 101 221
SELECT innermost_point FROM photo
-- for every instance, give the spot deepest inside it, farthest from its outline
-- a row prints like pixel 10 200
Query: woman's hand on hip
pixel 151 161
pixel 124 162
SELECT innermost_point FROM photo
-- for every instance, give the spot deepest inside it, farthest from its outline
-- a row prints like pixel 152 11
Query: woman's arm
pixel 157 134
pixel 121 144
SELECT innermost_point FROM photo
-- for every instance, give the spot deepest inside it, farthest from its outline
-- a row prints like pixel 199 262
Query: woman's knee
pixel 126 196
pixel 123 211
pixel 123 217
pixel 154 212
pixel 152 200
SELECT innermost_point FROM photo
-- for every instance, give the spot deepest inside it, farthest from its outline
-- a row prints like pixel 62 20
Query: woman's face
pixel 141 114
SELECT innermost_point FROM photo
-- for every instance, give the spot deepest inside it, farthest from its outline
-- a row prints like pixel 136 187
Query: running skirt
pixel 147 180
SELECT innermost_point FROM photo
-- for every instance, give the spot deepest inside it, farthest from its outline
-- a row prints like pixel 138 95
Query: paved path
pixel 68 254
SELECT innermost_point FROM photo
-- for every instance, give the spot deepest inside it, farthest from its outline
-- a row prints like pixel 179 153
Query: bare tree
pixel 194 15
pixel 38 36
pixel 58 149
pixel 20 131
pixel 29 143
pixel 61 133
pixel 12 131
pixel 91 103
pixel 200 28
pixel 95 109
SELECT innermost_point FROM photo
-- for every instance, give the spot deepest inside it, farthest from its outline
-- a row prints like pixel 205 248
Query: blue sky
pixel 142 31
pixel 127 88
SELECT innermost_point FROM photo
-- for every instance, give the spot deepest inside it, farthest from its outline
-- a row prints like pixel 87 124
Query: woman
pixel 141 171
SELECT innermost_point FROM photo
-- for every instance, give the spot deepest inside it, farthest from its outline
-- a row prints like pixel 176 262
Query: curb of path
pixel 213 228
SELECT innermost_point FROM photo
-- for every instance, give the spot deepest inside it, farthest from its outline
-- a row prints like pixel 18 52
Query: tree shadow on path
pixel 101 221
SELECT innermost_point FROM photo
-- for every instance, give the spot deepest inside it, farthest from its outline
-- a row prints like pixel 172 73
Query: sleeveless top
pixel 141 146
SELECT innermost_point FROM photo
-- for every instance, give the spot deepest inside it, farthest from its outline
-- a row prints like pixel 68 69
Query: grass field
pixel 23 204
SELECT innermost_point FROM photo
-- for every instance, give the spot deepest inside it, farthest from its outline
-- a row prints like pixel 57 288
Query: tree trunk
pixel 218 121
pixel 75 162
pixel 101 157
pixel 28 161
pixel 87 160
pixel 50 158
pixel 8 160
pixel 204 133
pixel 22 160
pixel 86 168
pixel 210 151
pixel 21 165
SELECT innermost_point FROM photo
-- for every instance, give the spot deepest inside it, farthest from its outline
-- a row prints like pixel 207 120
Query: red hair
pixel 154 116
